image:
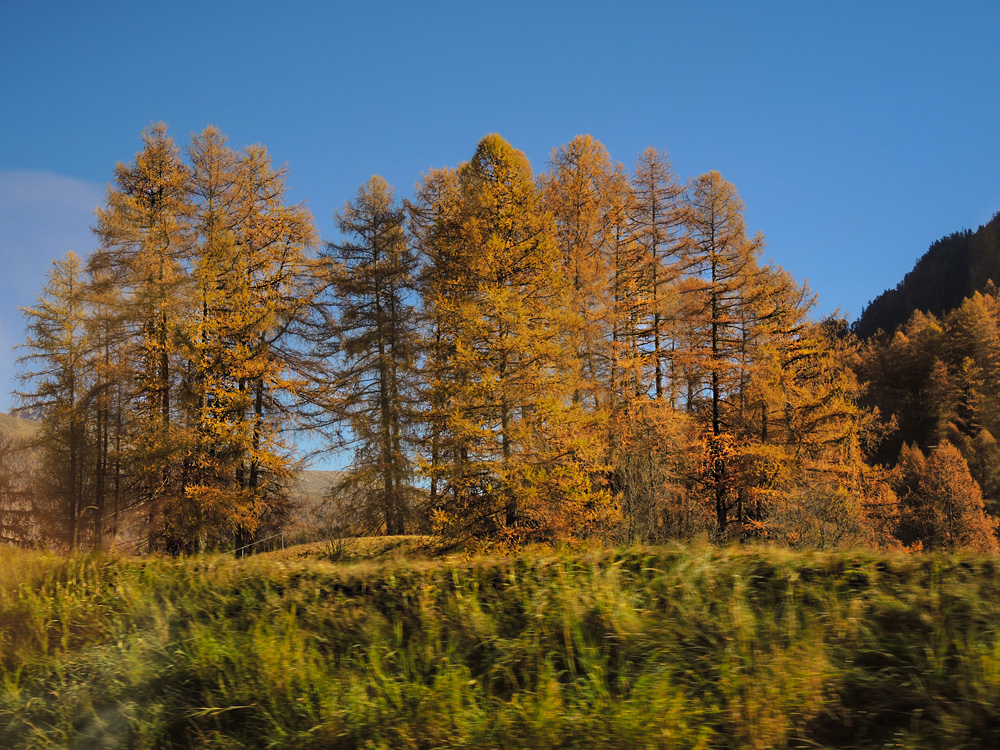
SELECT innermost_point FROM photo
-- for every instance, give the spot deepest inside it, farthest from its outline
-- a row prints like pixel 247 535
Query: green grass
pixel 678 647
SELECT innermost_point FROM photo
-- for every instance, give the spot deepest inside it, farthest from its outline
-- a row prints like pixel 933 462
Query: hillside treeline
pixel 938 378
pixel 953 268
pixel 589 352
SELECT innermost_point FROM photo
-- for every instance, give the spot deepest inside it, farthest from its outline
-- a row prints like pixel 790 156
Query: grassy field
pixel 399 647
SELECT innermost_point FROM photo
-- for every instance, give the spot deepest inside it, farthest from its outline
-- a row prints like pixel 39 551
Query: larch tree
pixel 57 372
pixel 210 509
pixel 372 278
pixel 720 264
pixel 778 369
pixel 619 243
pixel 434 221
pixel 268 286
pixel 650 441
pixel 207 271
pixel 944 511
pixel 518 471
pixel 800 471
pixel 110 340
pixel 657 222
pixel 145 246
pixel 779 410
pixel 588 196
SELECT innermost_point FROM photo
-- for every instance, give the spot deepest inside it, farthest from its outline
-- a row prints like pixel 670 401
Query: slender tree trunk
pixel 258 420
pixel 118 465
pixel 718 461
pixel 241 464
pixel 510 508
pixel 656 309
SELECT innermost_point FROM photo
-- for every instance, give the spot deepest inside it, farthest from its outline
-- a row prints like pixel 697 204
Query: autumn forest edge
pixel 589 353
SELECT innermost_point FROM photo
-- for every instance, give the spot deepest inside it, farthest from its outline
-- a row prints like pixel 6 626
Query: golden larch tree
pixel 521 439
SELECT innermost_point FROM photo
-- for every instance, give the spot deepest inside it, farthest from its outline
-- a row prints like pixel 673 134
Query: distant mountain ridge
pixel 17 426
pixel 952 269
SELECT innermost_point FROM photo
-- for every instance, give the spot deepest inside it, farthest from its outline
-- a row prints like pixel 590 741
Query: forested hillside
pixel 504 356
pixel 953 268
pixel 936 379
pixel 930 365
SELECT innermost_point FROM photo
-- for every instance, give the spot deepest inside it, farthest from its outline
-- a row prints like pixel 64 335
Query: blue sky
pixel 856 132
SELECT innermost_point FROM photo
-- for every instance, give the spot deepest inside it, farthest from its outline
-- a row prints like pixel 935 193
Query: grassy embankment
pixel 668 648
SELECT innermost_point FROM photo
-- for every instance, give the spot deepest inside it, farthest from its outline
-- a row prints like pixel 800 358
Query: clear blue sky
pixel 856 132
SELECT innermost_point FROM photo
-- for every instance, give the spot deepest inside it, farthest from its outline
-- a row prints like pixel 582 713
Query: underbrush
pixel 677 647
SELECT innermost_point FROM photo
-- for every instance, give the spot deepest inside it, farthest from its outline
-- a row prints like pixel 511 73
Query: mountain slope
pixel 311 511
pixel 16 426
pixel 952 269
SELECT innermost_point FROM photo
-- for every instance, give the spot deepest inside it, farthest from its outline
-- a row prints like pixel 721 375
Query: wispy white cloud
pixel 42 216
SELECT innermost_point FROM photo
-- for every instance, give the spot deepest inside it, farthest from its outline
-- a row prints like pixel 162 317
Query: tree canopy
pixel 501 356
